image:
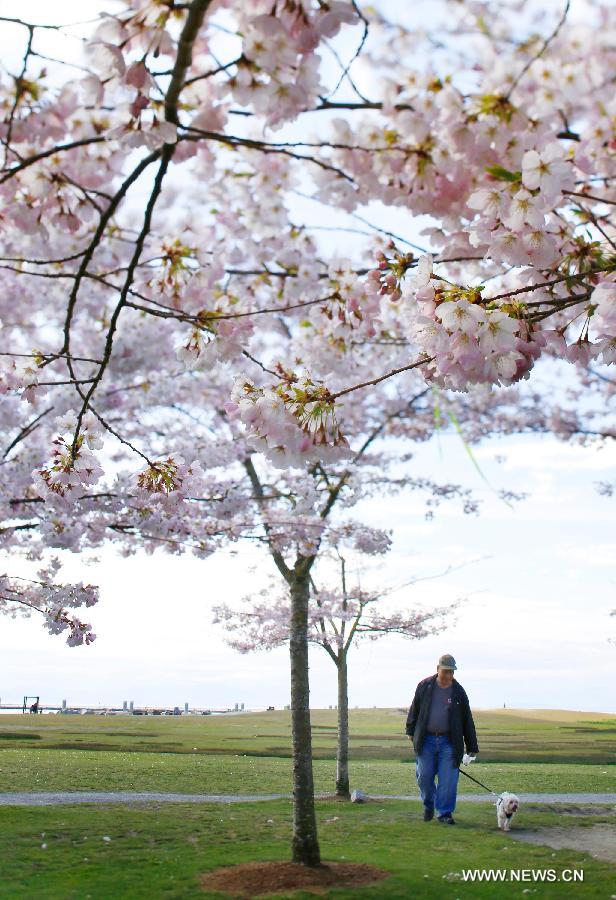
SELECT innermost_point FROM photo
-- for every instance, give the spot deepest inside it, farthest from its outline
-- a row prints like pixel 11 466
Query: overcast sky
pixel 533 632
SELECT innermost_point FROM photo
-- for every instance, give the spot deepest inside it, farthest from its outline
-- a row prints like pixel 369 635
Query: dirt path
pixel 59 798
pixel 598 840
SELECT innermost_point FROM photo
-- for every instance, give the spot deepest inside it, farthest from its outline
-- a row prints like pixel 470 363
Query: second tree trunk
pixel 342 758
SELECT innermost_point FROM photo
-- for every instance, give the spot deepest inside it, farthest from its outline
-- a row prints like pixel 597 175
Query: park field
pixel 158 850
pixel 523 750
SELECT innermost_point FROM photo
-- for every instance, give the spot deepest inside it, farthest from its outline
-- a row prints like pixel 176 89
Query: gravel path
pixel 59 798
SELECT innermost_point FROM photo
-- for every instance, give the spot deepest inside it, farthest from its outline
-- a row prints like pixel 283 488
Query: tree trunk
pixel 342 758
pixel 305 841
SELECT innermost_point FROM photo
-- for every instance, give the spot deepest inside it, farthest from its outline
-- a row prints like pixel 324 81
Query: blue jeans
pixel 436 761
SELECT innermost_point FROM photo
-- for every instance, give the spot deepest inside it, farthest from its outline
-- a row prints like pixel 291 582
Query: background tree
pixel 338 617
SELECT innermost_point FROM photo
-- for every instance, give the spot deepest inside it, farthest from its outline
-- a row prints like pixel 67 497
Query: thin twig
pixel 59 148
pixel 373 381
pixel 544 47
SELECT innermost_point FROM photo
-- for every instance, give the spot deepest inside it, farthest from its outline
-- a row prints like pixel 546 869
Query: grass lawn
pixel 149 852
pixel 532 751
pixel 504 735
pixel 90 770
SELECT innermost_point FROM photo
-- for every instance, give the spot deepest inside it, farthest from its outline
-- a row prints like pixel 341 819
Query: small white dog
pixel 506 807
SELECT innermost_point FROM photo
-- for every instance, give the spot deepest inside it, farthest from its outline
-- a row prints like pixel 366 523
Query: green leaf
pixel 503 174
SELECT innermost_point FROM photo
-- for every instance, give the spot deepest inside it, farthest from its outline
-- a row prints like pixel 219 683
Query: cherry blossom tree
pixel 52 601
pixel 172 324
pixel 338 617
pixel 299 513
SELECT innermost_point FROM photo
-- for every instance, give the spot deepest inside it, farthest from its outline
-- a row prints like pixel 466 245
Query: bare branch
pixel 542 50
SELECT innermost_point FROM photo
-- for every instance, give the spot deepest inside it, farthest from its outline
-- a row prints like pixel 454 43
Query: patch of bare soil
pixel 261 879
pixel 576 809
pixel 582 811
pixel 598 840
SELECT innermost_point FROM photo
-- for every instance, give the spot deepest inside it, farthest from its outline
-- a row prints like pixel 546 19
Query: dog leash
pixel 494 794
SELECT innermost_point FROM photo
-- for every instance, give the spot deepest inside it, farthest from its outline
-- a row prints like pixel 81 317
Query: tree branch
pixel 259 494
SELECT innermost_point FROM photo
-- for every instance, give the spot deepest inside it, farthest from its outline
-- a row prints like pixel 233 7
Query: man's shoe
pixel 428 814
pixel 447 819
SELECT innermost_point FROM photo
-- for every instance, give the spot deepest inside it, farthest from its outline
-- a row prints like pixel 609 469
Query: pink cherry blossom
pixel 604 318
pixel 547 171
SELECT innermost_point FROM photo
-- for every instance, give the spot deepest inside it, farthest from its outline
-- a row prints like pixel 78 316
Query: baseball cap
pixel 447 661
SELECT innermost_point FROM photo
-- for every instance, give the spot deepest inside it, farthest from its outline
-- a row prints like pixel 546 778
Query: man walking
pixel 440 724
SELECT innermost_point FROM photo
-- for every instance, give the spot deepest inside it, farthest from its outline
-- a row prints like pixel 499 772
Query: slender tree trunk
pixel 305 841
pixel 342 758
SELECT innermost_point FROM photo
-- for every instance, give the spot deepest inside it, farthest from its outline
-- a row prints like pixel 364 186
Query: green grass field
pixel 75 853
pixel 250 753
pixel 505 735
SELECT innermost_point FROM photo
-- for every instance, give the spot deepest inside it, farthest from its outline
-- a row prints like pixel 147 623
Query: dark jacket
pixel 461 725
